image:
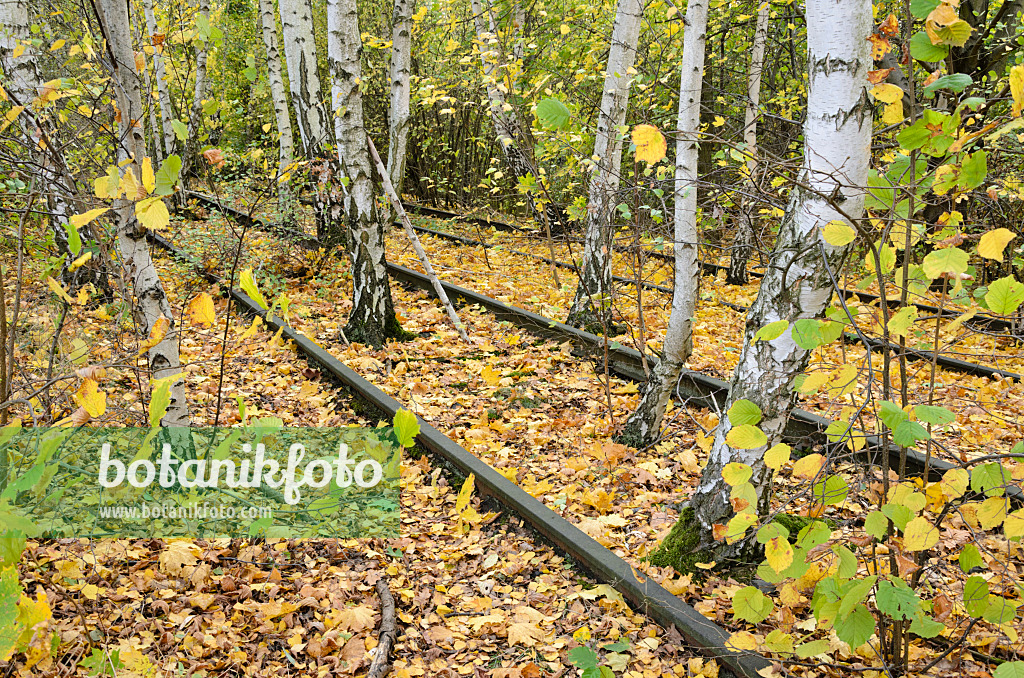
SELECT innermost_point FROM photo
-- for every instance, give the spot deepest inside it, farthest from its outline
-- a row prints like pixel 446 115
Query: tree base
pixel 681 549
pixel 376 336
pixel 588 321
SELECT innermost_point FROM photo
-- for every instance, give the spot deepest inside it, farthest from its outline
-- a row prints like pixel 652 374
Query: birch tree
pixel 160 74
pixel 508 126
pixel 285 143
pixel 644 424
pixel 195 117
pixel 743 243
pixel 398 115
pixel 311 114
pixel 372 320
pixel 797 285
pixel 150 306
pixel 591 307
pixel 48 163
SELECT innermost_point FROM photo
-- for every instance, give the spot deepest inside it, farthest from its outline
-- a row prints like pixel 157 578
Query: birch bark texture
pixel 797 285
pixel 644 424
pixel 48 163
pixel 149 303
pixel 160 74
pixel 195 116
pixel 372 319
pixel 285 142
pixel 746 234
pixel 591 307
pixel 398 114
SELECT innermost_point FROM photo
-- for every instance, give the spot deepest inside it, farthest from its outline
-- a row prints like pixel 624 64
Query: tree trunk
pixel 591 308
pixel 195 117
pixel 311 115
pixel 508 128
pixel 644 425
pixel 797 285
pixel 22 82
pixel 372 320
pixel 150 302
pixel 746 235
pixel 285 144
pixel 398 116
pixel 164 97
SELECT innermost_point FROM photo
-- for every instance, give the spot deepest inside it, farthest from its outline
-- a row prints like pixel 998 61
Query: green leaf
pixel 812 535
pixel 988 477
pixel 908 433
pixel 896 599
pixel 951 261
pixel 847 561
pixel 750 605
pixel 167 175
pixel 933 414
pixel 770 531
pixel 771 330
pixel 735 473
pixel 583 658
pixel 925 626
pixel 876 524
pixel 11 548
pixel 857 592
pixel 812 649
pixel 1009 670
pixel 999 610
pixel 10 593
pixel 901 321
pixel 957 82
pixel 74 240
pixel 973 171
pixel 970 558
pixel 807 334
pixel 922 49
pixel 406 428
pixel 248 285
pixel 830 491
pixel 746 437
pixel 180 130
pixel 1005 296
pixel 922 8
pixel 976 596
pixel 553 114
pixel 857 628
pixel 744 412
pixel 891 414
pixel 900 515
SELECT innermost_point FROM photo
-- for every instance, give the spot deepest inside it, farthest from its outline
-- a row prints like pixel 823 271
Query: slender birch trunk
pixel 508 128
pixel 743 243
pixel 163 95
pixel 837 149
pixel 195 117
pixel 150 302
pixel 372 320
pixel 285 143
pixel 401 67
pixel 154 128
pixel 591 308
pixel 22 83
pixel 311 115
pixel 644 424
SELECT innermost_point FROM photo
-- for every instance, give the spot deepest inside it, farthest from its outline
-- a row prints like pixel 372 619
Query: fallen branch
pixel 396 202
pixel 386 637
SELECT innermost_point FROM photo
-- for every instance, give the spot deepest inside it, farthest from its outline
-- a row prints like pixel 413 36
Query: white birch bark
pixel 22 83
pixel 837 149
pixel 743 244
pixel 285 143
pixel 195 117
pixel 644 424
pixel 150 302
pixel 372 319
pixel 591 307
pixel 163 95
pixel 398 116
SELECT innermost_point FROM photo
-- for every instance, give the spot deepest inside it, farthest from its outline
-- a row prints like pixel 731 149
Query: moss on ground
pixel 679 549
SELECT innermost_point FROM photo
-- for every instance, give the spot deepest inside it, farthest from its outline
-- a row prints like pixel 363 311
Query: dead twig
pixel 386 637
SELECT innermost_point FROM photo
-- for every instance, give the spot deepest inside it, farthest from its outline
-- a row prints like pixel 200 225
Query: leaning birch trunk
pixel 47 161
pixel 644 424
pixel 163 96
pixel 591 307
pixel 797 285
pixel 149 303
pixel 195 117
pixel 743 243
pixel 311 115
pixel 507 125
pixel 396 204
pixel 398 114
pixel 372 320
pixel 285 143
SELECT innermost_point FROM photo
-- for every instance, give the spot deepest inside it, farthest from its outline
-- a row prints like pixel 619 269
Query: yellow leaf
pixel 58 290
pixel 887 93
pixel 893 113
pixel 838 233
pixel 992 512
pixel 1017 89
pixel 90 398
pixel 582 634
pixel 148 177
pixel 80 262
pixel 201 310
pixel 465 493
pixel 746 437
pixel 777 456
pixel 490 376
pixel 954 482
pixel 920 535
pixel 152 213
pixel 18 51
pixel 813 382
pixel 650 143
pixel 735 473
pixel 129 184
pixel 79 220
pixel 525 633
pixel 741 641
pixel 809 466
pixel 993 243
pixel 90 591
pixel 779 554
pixel 564 29
pixel 56 45
pixel 156 335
